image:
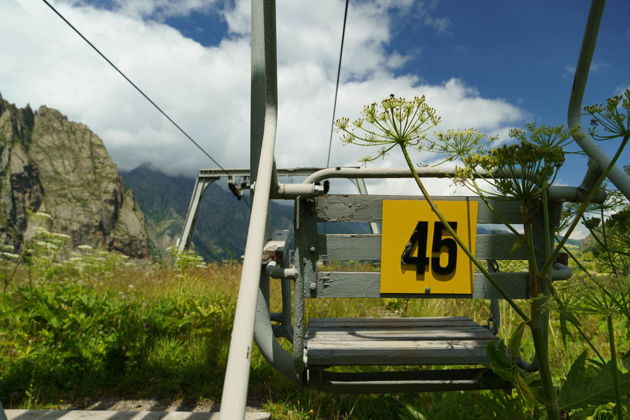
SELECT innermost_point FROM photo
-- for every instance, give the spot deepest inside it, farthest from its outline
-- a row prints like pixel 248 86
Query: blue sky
pixel 524 52
pixel 492 65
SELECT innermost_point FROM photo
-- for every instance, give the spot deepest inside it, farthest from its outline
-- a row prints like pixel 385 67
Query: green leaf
pixel 503 363
pixel 589 387
pixel 576 378
pixel 514 346
pixel 497 353
pixel 567 317
pixel 523 387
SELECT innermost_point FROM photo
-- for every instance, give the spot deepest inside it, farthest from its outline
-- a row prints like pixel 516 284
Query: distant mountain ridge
pixel 222 221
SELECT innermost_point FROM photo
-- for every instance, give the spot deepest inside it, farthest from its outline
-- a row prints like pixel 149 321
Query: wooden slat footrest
pixel 406 381
pixel 396 341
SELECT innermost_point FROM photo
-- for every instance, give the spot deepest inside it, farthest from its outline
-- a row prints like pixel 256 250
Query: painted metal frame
pixel 201 184
pixel 206 177
pixel 556 193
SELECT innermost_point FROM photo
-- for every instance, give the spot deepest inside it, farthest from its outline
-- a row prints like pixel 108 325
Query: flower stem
pixel 613 360
pixel 541 345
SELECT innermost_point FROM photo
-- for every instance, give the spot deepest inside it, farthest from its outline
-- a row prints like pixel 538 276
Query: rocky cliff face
pixel 52 165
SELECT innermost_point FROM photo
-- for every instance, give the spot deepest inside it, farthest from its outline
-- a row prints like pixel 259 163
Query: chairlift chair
pixel 403 353
pixel 419 344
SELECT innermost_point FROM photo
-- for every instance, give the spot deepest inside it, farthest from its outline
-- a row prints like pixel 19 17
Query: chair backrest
pixel 316 249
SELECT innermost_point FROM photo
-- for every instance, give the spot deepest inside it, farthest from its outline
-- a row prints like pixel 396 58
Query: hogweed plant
pixel 608 295
pixel 522 170
pixel 393 122
pixel 609 226
pixel 611 121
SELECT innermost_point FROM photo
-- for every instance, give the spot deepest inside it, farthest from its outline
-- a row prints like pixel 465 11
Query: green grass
pixel 111 329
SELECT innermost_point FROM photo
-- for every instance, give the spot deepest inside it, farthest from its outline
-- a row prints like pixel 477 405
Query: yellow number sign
pixel 418 255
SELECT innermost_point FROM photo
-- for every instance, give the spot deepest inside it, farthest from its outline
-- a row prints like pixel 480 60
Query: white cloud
pixel 206 89
pixel 153 9
pixel 440 24
pixel 436 187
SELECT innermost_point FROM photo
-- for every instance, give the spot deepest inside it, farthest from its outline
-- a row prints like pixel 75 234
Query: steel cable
pixel 332 123
pixel 137 88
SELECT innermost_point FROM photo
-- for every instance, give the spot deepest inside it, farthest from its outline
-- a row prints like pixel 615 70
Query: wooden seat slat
pixel 356 247
pixel 369 208
pixel 376 322
pixel 372 341
pixel 367 284
pixel 446 333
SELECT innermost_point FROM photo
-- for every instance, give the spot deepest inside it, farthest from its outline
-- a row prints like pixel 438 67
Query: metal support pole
pixel 234 397
pixel 494 320
pixel 191 216
pixel 305 243
pixel 616 175
pixel 264 336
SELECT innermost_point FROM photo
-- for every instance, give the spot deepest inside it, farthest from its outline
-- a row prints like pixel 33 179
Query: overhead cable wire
pixel 332 123
pixel 137 88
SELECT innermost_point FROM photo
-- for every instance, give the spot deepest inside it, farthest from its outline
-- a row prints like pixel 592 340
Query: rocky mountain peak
pixel 52 165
